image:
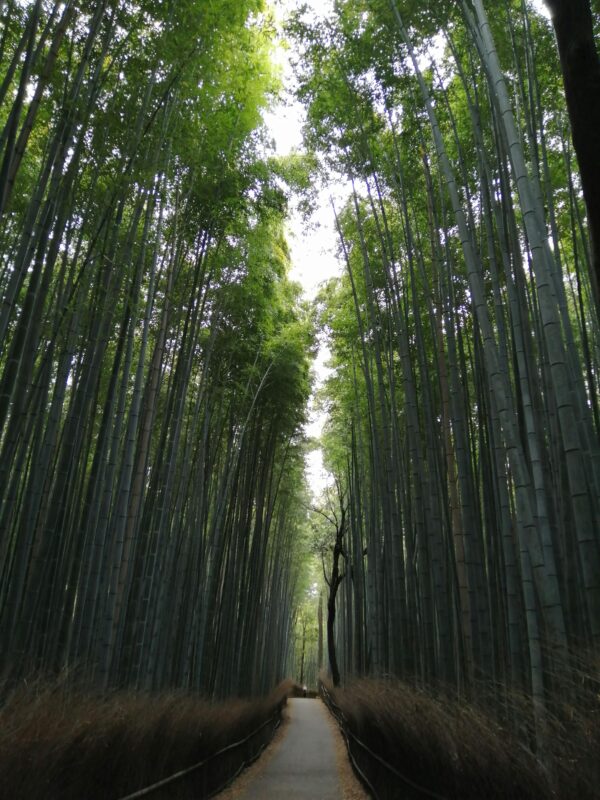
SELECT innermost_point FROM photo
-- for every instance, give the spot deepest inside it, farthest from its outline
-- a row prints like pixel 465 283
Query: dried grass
pixel 462 751
pixel 60 744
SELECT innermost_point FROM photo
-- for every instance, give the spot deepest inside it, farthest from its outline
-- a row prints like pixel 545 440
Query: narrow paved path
pixel 304 765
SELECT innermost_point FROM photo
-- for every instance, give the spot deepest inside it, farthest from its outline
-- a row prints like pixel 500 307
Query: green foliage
pixel 149 312
pixel 464 305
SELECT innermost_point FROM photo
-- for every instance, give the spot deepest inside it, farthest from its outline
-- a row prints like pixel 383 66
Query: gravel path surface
pixel 306 761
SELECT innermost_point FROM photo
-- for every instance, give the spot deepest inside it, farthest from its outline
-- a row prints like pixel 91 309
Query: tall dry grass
pixel 57 743
pixel 472 751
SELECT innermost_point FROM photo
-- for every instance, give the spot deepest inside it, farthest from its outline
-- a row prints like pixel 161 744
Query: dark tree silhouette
pixel 336 516
pixel 574 28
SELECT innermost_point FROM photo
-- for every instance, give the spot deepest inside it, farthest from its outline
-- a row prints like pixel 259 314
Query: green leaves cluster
pixel 154 355
pixel 464 313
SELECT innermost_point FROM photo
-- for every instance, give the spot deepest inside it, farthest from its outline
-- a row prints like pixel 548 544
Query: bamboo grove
pixel 463 403
pixel 154 357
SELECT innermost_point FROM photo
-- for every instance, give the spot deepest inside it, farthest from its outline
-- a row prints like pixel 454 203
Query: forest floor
pixel 306 759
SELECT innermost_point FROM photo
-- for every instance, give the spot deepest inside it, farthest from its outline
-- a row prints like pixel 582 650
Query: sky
pixel 312 249
pixel 312 246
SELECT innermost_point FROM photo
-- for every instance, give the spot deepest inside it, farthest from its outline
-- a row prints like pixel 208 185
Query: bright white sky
pixel 312 248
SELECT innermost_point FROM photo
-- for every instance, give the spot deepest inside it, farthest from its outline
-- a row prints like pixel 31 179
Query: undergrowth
pixel 471 751
pixel 57 743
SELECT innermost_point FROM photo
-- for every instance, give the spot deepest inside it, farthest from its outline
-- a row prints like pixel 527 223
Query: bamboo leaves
pixel 462 391
pixel 153 354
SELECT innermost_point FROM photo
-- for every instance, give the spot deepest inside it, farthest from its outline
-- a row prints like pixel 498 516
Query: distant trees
pixel 464 399
pixel 153 354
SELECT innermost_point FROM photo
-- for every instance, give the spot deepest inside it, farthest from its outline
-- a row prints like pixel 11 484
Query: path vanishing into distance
pixel 306 762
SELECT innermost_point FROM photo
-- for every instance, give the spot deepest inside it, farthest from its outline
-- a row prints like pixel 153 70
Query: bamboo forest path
pixel 306 762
